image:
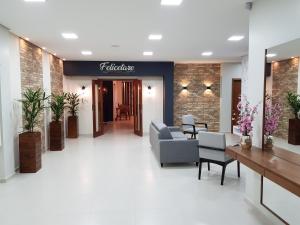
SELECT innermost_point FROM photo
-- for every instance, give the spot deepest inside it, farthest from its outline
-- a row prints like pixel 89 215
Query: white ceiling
pixel 188 30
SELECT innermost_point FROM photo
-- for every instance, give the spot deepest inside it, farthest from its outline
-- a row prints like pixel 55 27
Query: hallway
pixel 115 179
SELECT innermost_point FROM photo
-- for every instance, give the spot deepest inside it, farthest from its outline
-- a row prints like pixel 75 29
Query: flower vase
pixel 246 142
pixel 269 141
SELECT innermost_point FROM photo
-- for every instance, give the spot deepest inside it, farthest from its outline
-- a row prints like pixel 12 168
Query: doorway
pixel 117 105
pixel 235 98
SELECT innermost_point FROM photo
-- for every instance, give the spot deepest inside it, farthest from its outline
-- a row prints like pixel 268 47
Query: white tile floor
pixel 115 180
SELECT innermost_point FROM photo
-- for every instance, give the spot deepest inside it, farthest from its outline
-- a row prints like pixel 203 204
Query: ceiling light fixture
pixel 207 53
pixel 54 53
pixel 236 38
pixel 86 53
pixel 69 36
pixel 34 0
pixel 26 38
pixel 44 48
pixel 271 55
pixel 171 2
pixel 155 37
pixel 147 53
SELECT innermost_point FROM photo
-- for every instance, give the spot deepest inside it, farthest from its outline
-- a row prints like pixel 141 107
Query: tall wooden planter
pixel 72 127
pixel 294 131
pixel 30 150
pixel 57 142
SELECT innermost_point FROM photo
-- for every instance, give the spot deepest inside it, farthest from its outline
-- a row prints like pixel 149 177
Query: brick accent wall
pixel 203 104
pixel 285 78
pixel 32 74
pixel 56 73
pixel 31 59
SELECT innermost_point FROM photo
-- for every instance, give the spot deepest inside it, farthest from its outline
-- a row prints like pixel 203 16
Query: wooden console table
pixel 280 166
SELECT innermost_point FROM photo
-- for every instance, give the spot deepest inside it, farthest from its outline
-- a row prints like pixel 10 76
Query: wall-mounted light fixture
pixel 184 88
pixel 208 87
pixel 83 93
pixel 149 90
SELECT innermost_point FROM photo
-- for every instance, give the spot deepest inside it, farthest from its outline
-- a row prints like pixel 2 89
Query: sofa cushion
pixel 158 125
pixel 164 133
pixel 178 135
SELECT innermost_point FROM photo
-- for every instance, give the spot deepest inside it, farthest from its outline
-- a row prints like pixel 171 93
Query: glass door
pixel 137 107
pixel 98 126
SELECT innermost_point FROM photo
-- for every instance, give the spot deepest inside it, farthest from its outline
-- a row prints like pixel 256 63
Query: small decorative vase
pixel 268 143
pixel 246 142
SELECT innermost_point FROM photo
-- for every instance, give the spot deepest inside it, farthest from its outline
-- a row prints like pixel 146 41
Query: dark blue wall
pixel 142 69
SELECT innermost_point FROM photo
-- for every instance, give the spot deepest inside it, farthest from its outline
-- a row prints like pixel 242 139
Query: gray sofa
pixel 170 145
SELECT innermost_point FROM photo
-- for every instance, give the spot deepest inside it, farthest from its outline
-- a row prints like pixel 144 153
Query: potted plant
pixel 73 106
pixel 246 117
pixel 33 104
pixel 294 124
pixel 273 112
pixel 57 105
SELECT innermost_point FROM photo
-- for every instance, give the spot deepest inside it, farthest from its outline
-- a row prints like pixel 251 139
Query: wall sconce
pixel 208 87
pixel 184 88
pixel 83 93
pixel 149 90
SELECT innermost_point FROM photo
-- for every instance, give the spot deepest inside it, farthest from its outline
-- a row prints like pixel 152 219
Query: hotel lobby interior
pixel 180 112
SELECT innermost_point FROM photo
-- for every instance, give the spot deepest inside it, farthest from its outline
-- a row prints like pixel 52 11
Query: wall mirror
pixel 281 127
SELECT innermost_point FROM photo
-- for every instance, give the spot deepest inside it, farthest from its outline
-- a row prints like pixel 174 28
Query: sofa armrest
pixel 174 128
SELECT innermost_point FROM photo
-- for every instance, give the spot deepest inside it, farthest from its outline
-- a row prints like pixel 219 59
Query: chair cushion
pixel 197 129
pixel 216 155
pixel 178 135
pixel 164 133
pixel 212 140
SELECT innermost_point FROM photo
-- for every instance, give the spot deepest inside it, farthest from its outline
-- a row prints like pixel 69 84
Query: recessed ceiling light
pixel 64 59
pixel 155 37
pixel 34 0
pixel 271 55
pixel 54 53
pixel 207 53
pixel 86 53
pixel 147 53
pixel 44 48
pixel 171 2
pixel 27 39
pixel 69 36
pixel 236 38
pixel 115 46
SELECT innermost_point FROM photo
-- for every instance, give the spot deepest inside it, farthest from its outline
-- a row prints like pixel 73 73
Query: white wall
pixel 152 104
pixel 229 71
pixel 10 118
pixel 271 23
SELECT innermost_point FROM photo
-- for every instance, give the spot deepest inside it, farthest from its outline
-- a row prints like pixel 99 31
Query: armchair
pixel 189 126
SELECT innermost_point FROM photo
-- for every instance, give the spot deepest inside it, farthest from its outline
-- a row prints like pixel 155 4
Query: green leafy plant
pixel 33 104
pixel 294 102
pixel 73 103
pixel 57 105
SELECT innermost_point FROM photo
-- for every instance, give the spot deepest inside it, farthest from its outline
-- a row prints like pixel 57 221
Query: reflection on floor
pixel 281 143
pixel 116 180
pixel 119 126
